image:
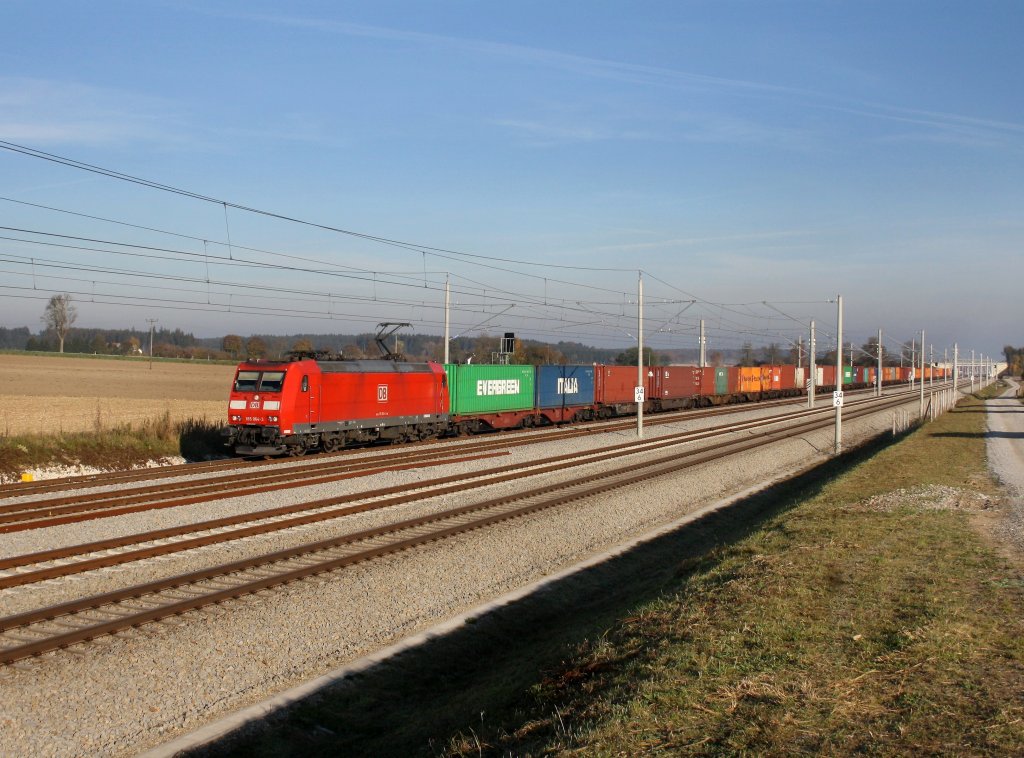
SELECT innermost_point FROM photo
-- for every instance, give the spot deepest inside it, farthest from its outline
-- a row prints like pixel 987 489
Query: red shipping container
pixel 677 382
pixel 707 380
pixel 787 377
pixel 616 384
pixel 735 380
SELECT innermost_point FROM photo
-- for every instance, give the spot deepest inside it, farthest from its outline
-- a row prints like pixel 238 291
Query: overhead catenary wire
pixel 110 173
pixel 589 313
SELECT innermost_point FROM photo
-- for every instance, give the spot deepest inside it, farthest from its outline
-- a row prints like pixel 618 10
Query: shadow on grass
pixel 983 435
pixel 416 702
pixel 986 410
pixel 199 440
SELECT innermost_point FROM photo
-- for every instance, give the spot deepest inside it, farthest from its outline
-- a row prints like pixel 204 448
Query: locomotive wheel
pixel 330 444
pixel 296 451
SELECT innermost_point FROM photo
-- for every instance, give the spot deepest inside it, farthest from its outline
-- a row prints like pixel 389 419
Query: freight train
pixel 312 403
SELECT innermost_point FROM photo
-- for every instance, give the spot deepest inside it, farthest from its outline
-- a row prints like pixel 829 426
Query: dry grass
pixel 837 628
pixel 807 620
pixel 62 394
pixel 107 413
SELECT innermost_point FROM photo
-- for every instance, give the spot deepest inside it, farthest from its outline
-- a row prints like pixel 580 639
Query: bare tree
pixel 59 315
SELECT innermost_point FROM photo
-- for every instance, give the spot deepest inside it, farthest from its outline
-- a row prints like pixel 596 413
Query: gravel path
pixel 124 694
pixel 1005 447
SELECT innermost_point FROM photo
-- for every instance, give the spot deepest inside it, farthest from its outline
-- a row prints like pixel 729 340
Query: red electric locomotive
pixel 289 407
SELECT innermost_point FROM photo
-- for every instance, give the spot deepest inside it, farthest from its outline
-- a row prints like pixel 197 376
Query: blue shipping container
pixel 565 386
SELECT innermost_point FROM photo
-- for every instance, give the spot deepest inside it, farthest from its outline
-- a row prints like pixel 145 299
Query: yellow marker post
pixel 27 478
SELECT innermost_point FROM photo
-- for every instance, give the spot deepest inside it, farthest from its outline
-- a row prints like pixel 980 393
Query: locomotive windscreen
pixel 246 381
pixel 259 381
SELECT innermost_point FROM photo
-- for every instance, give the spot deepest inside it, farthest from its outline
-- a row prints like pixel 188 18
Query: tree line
pixel 1014 360
pixel 60 335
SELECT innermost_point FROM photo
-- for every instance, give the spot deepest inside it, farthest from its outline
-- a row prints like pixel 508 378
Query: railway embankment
pixel 871 604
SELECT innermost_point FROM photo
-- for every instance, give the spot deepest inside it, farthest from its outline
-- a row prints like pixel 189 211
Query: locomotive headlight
pixel 271 418
pixel 236 418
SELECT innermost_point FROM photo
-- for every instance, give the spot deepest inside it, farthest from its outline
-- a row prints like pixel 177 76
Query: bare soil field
pixel 69 394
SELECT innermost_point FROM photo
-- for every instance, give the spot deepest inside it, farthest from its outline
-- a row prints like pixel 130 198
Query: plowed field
pixel 62 393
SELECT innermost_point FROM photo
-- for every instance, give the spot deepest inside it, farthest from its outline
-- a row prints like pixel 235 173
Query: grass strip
pixel 115 448
pixel 848 623
pixel 859 608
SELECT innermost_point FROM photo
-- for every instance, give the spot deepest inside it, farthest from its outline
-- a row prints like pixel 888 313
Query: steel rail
pixel 45 515
pixel 22 489
pixel 48 512
pixel 64 510
pixel 547 497
pixel 482 478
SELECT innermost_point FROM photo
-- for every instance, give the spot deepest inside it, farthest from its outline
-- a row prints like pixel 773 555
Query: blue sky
pixel 736 152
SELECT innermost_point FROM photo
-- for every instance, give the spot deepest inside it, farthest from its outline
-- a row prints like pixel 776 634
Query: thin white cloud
pixel 638 73
pixel 547 133
pixel 595 67
pixel 42 111
pixel 730 239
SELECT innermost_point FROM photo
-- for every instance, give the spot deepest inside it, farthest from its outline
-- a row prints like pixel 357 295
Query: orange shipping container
pixel 750 379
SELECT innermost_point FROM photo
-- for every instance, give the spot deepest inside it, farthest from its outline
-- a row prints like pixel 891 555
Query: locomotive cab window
pixel 305 384
pixel 271 381
pixel 246 381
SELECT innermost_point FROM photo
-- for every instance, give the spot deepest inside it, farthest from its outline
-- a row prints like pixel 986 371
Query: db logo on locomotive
pixel 382 393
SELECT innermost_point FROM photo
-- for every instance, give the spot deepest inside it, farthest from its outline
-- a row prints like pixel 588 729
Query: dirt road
pixel 1005 443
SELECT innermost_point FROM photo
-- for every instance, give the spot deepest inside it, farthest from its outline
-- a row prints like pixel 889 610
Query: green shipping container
pixel 721 381
pixel 847 374
pixel 483 388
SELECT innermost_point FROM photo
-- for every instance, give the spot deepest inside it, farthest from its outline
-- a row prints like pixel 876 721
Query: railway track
pixel 23 514
pixel 35 632
pixel 286 517
pixel 67 509
pixel 26 489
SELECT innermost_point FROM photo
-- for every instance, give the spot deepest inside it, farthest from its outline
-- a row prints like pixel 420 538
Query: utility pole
pixel 812 369
pixel 878 377
pixel 931 365
pixel 800 351
pixel 151 322
pixel 447 311
pixel 913 360
pixel 922 377
pixel 956 368
pixel 640 356
pixel 972 371
pixel 703 346
pixel 839 375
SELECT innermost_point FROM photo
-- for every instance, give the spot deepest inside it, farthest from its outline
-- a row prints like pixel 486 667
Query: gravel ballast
pixel 124 694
